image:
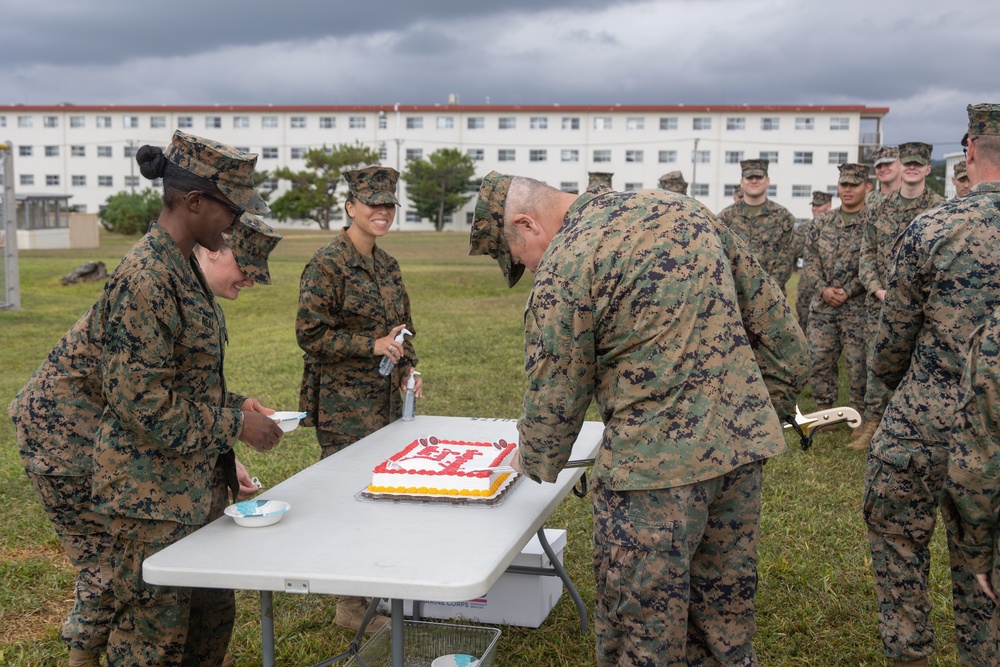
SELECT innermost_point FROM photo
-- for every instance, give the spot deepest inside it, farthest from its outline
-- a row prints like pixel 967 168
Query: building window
pixel 51 121
pixel 802 191
pixel 130 122
pixel 770 156
pixel 702 157
pixel 383 122
pixel 635 123
pixel 185 122
pixel 298 122
pixel 571 123
pixel 633 156
pixel 701 123
pixel 269 152
pixel 25 151
pixel 739 123
pixel 104 121
pixel 602 123
pixel 129 152
pixel 734 157
pixel 632 187
pixel 506 155
pixel 412 216
pixel 831 190
pixel 104 151
pixel 269 184
pixel 569 155
pixel 729 190
pixel 539 123
pixel 269 122
pixel 242 149
pixel 356 122
pixel 699 189
pixel 78 151
pixel 79 181
pixel 131 181
pixel 507 122
pixel 157 122
pixel 803 157
pixel 105 181
pixel 297 153
pixel 445 122
pixel 837 157
pixel 476 154
pixel 329 122
pixel 603 155
pixel 538 155
pixel 52 179
pixel 383 154
pixel 414 122
pixel 840 123
pixel 25 121
pixel 772 190
pixel 414 153
pixel 770 124
pixel 570 186
pixel 27 179
pixel 667 156
pixel 77 121
pixel 241 122
pixel 3 121
pixel 475 122
pixel 213 122
pixel 668 123
pixel 802 123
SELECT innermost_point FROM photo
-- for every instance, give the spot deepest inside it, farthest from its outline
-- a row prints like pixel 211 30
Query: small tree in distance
pixel 439 185
pixel 131 212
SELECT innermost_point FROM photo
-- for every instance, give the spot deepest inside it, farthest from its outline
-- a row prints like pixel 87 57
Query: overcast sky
pixel 924 59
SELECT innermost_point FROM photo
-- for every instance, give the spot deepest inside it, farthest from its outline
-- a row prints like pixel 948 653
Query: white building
pixel 87 151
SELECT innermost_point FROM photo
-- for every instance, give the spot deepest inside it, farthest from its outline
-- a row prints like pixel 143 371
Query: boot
pixel 351 612
pixel 919 662
pixel 862 439
pixel 80 658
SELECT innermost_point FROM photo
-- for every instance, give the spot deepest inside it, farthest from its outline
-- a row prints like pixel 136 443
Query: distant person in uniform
pixel 820 203
pixel 645 303
pixel 888 172
pixel 960 179
pixel 599 178
pixel 737 194
pixel 673 181
pixel 766 227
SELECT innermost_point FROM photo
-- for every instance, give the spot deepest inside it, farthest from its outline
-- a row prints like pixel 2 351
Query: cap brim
pixel 246 198
pixel 379 198
pixel 965 139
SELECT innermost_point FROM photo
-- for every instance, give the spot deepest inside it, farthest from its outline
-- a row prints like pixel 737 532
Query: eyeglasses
pixel 965 149
pixel 237 211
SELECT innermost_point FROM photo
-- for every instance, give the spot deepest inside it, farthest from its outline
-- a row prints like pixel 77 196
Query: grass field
pixel 815 604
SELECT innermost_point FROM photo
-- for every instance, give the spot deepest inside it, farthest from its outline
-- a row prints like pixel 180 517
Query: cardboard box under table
pixel 522 598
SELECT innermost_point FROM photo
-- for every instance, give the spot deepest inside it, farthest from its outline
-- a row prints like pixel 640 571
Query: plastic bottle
pixel 410 398
pixel 387 363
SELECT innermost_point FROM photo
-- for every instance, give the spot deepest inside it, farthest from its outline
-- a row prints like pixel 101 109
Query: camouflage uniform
pixel 944 282
pixel 805 290
pixel 972 489
pixel 672 181
pixel 599 178
pixel 881 155
pixel 768 234
pixel 678 475
pixel 883 222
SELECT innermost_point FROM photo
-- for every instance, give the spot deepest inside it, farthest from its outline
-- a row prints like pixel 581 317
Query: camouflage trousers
pixel 165 626
pixel 330 443
pixel 828 335
pixel 84 537
pixel 676 572
pixel 803 297
pixel 877 394
pixel 903 484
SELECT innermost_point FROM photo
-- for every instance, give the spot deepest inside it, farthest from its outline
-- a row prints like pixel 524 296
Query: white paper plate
pixel 257 513
pixel 455 660
pixel 288 421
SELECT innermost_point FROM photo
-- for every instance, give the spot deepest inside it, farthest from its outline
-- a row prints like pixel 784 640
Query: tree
pixel 313 194
pixel 935 180
pixel 439 185
pixel 131 212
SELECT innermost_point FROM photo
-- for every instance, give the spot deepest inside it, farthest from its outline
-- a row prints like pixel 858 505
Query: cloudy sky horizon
pixel 925 60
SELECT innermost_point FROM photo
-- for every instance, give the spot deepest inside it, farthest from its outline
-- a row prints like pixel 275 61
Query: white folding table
pixel 333 541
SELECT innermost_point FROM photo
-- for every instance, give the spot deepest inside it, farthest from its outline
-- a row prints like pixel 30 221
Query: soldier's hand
pixel 834 296
pixel 259 431
pixel 984 583
pixel 253 405
pixel 387 345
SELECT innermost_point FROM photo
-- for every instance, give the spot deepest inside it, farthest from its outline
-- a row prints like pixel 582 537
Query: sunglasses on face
pixel 236 210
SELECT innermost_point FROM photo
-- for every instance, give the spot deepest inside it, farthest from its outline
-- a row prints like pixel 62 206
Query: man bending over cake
pixel 645 303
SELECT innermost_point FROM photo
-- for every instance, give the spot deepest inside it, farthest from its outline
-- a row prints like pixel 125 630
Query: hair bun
pixel 152 161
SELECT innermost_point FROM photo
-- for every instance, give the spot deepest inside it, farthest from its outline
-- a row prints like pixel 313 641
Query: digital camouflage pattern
pixel 343 308
pixel 674 182
pixel 832 249
pixel 960 169
pixel 820 198
pixel 694 548
pixel 884 154
pixel 754 167
pixel 251 245
pixel 983 119
pixel 915 151
pixel 486 237
pixel 375 186
pixel 228 168
pixel 805 290
pixel 599 178
pixel 883 222
pixel 944 283
pixel 769 234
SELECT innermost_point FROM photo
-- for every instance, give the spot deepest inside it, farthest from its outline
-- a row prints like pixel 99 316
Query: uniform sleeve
pixel 867 264
pixel 317 324
pixel 560 363
pixel 781 269
pixel 812 262
pixel 144 339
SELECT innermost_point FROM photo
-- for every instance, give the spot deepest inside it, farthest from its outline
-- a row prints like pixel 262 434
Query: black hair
pixel 177 182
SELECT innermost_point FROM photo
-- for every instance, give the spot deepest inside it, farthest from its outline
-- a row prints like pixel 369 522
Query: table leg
pixel 267 628
pixel 561 571
pixel 397 632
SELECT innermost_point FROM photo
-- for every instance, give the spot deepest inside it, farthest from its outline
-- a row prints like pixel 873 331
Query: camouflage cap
pixel 228 168
pixel 983 119
pixel 375 186
pixel 960 169
pixel 487 236
pixel 821 198
pixel 251 242
pixel 884 154
pixel 673 179
pixel 915 151
pixel 738 191
pixel 754 168
pixel 599 178
pixel 852 173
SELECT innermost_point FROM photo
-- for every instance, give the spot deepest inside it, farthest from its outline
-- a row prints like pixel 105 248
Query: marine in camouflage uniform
pixel 672 181
pixel 837 307
pixel 960 179
pixel 945 281
pixel 821 202
pixel 766 227
pixel 599 178
pixel 885 160
pixel 687 413
pixel 883 223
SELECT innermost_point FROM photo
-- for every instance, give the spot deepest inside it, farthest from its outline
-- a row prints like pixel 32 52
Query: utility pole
pixel 12 291
pixel 694 166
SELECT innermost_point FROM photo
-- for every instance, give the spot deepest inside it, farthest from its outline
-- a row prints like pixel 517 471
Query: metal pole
pixel 694 167
pixel 12 298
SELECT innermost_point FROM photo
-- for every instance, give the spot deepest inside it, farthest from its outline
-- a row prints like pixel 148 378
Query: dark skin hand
pixel 259 431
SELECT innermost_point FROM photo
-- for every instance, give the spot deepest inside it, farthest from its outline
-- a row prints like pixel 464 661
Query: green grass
pixel 815 604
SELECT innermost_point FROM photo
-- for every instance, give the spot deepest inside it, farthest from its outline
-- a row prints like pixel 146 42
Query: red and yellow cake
pixel 433 469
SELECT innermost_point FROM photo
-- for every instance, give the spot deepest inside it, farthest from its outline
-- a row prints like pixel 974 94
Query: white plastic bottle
pixel 388 364
pixel 410 398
